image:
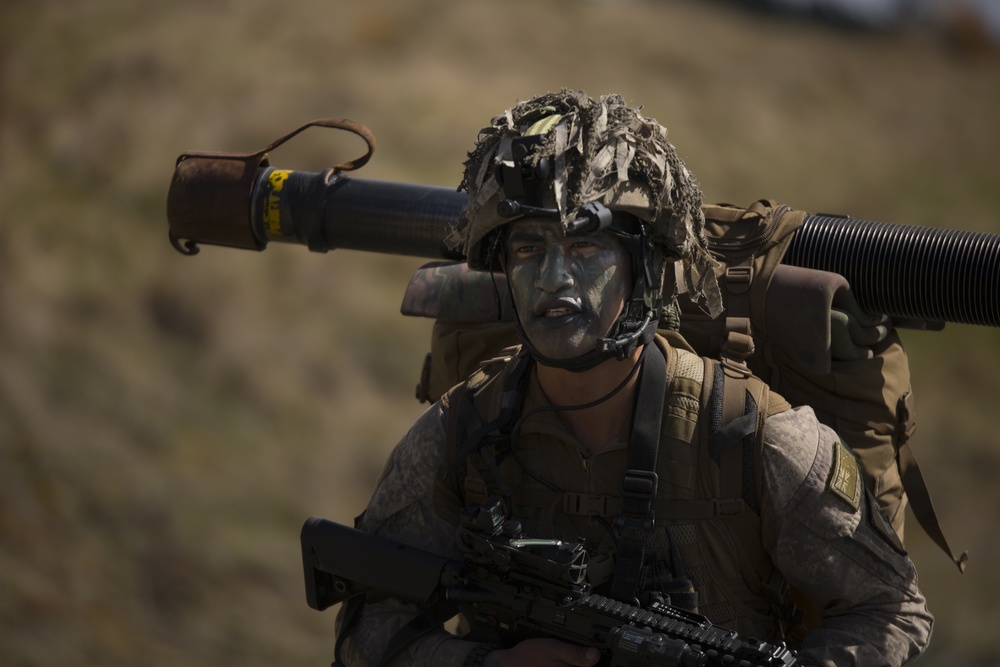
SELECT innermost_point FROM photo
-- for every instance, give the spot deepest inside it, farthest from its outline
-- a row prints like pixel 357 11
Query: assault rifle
pixel 521 586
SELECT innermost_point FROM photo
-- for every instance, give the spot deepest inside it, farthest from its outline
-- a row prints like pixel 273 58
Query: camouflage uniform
pixel 556 155
pixel 873 614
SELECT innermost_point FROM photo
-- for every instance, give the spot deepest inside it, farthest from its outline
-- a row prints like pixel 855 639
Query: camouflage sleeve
pixel 401 509
pixel 830 540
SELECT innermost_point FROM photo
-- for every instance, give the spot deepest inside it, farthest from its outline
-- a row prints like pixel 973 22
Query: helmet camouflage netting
pixel 600 150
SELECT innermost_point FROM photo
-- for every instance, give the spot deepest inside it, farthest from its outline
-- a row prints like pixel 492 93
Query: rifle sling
pixel 351 615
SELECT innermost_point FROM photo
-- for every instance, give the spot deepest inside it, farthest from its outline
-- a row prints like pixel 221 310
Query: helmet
pixel 570 155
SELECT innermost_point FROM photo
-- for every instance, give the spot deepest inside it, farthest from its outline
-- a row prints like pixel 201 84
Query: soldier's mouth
pixel 555 308
pixel 557 312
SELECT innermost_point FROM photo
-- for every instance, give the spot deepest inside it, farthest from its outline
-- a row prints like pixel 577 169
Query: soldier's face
pixel 568 290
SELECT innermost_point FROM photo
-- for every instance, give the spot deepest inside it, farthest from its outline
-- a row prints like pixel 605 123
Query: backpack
pixel 798 329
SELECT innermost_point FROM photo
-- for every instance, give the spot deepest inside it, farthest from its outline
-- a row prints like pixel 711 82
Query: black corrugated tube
pixel 919 273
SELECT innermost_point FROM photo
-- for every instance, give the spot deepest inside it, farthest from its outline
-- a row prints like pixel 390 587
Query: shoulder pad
pixel 689 366
pixel 776 403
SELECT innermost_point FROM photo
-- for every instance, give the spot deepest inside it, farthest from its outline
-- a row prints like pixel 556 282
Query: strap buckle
pixel 738 343
pixel 638 489
pixel 728 507
pixel 586 504
pixel 637 525
pixel 739 277
pixel 639 484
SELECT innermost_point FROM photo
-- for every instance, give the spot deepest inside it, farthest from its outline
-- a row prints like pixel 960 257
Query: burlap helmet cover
pixel 601 150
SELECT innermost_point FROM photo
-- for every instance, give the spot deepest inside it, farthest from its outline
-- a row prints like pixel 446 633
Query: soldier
pixel 687 479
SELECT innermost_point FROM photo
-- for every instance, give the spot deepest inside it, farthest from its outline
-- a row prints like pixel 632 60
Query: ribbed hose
pixel 921 273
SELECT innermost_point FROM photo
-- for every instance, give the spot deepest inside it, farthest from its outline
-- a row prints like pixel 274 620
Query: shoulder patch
pixel 845 480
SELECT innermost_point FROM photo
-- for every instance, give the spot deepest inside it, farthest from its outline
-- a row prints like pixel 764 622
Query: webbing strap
pixel 738 344
pixel 737 423
pixel 510 404
pixel 921 504
pixel 732 433
pixel 351 615
pixel 635 522
pixel 913 481
pixel 603 505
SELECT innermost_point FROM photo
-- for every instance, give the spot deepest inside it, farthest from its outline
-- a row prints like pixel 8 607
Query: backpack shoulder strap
pixel 739 404
pixel 485 403
pixel 636 520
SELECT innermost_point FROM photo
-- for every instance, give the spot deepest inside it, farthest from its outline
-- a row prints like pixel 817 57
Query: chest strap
pixel 590 504
pixel 635 521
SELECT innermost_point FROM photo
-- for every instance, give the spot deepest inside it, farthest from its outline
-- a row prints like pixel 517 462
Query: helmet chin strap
pixel 619 346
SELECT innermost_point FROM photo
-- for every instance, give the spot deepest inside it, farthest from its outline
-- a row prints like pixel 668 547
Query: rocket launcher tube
pixel 918 274
pixel 328 210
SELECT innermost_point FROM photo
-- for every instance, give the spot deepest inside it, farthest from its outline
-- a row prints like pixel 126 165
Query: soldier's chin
pixel 561 349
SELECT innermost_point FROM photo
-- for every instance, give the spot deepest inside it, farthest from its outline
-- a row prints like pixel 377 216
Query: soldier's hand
pixel 543 653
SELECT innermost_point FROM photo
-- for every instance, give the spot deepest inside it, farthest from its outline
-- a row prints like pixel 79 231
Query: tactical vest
pixel 705 551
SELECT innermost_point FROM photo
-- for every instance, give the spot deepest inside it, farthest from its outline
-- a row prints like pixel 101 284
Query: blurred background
pixel 167 423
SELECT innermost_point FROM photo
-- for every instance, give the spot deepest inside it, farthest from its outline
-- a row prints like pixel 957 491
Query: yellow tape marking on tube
pixel 272 210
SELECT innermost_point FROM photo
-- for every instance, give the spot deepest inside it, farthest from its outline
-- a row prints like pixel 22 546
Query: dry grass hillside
pixel 167 423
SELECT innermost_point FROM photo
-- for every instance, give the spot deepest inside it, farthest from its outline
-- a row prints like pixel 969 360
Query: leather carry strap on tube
pixel 335 124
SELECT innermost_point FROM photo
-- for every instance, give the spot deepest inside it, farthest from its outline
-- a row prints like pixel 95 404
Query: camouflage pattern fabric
pixel 826 540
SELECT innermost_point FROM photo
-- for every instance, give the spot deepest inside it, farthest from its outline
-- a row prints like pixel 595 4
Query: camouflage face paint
pixel 568 290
